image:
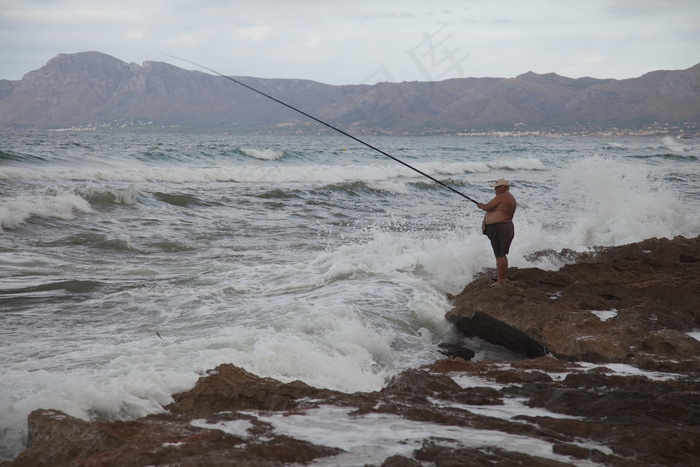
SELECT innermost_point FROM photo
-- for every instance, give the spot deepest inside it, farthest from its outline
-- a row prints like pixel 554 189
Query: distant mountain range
pixel 91 89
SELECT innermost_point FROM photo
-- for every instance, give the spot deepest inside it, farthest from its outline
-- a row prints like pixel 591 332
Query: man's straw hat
pixel 500 182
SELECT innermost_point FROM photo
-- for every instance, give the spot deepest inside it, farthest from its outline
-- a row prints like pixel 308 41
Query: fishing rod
pixel 326 124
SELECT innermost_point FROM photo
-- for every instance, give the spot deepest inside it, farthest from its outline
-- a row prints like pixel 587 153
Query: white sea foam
pixel 369 439
pixel 512 407
pixel 466 380
pixel 629 370
pixel 52 203
pixel 324 345
pixel 273 173
pixel 605 315
pixel 264 154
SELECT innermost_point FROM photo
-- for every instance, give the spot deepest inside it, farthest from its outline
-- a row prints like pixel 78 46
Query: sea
pixel 133 261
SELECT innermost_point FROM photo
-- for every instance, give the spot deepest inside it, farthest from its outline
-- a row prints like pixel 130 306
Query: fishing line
pixel 328 125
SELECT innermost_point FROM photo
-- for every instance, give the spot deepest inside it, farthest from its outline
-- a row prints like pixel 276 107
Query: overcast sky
pixel 361 41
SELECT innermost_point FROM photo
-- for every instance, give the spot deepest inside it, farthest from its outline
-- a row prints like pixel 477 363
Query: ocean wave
pixel 224 171
pixel 384 187
pixel 518 164
pixel 394 187
pixel 359 188
pixel 98 241
pixel 666 156
pixel 179 199
pixel 161 154
pixel 674 144
pixel 458 185
pixel 100 195
pixel 13 156
pixel 264 154
pixel 279 193
pixel 171 247
pixel 614 146
pixel 53 204
pixel 72 286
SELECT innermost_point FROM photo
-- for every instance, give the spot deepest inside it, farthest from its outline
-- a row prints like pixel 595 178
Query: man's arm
pixel 491 205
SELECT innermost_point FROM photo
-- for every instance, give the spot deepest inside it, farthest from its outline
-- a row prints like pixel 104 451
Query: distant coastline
pixel 671 131
pixel 94 90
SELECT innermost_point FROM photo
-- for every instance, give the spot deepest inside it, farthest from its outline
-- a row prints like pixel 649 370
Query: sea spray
pixel 615 200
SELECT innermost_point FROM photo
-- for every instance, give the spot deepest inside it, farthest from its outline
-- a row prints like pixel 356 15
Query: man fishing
pixel 498 226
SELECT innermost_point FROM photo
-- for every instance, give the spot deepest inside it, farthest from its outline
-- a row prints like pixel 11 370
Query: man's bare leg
pixel 502 269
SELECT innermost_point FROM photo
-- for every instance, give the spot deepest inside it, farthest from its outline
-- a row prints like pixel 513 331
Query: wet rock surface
pixel 629 304
pixel 622 390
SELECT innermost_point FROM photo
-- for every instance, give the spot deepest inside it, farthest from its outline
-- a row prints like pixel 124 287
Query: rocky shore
pixel 631 304
pixel 612 378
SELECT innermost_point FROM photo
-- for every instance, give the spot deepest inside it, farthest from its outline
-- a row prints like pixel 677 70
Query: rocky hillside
pixel 91 89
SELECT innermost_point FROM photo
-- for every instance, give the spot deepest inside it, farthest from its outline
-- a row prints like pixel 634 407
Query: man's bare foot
pixel 497 283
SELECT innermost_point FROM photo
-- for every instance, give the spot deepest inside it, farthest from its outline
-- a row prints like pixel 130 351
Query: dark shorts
pixel 501 235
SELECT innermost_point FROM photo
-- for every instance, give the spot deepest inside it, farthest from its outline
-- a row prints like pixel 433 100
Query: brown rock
pixel 651 288
pixel 231 388
pixel 455 351
pixel 56 439
pixel 444 456
pixel 547 364
pixel 450 365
